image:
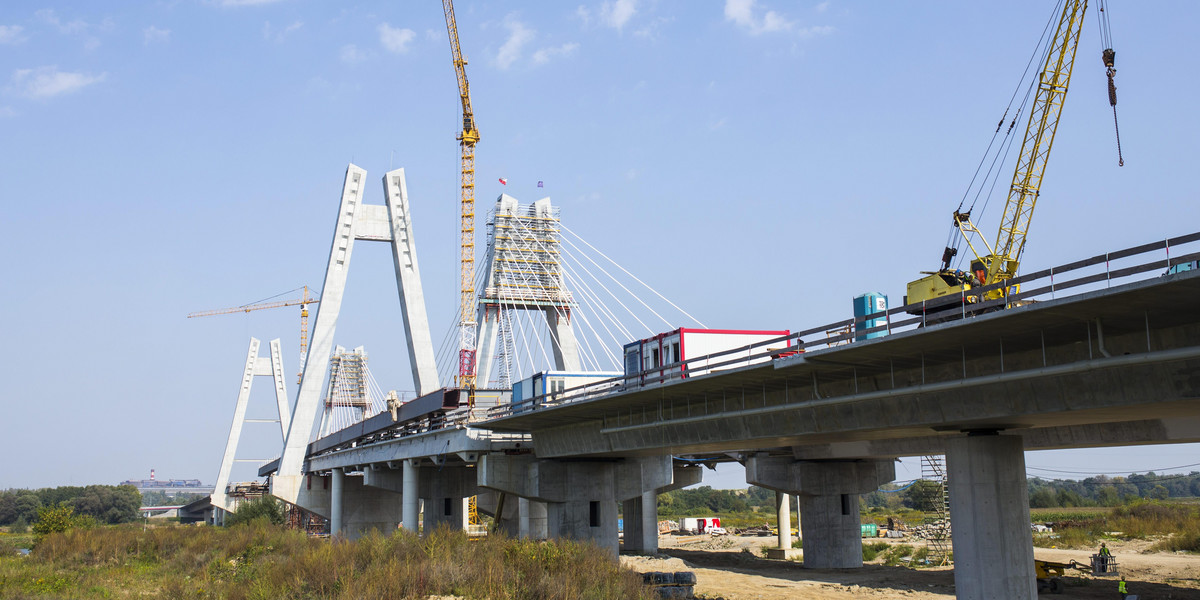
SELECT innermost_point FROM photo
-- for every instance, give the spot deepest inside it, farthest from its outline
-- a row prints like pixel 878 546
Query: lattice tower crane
pixel 1000 262
pixel 303 301
pixel 467 140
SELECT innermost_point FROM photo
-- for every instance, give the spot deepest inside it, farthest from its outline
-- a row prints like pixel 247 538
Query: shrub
pixel 872 549
pixel 19 526
pixel 60 518
pixel 266 509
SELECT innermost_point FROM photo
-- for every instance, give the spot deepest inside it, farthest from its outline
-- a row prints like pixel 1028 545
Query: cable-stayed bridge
pixel 1103 351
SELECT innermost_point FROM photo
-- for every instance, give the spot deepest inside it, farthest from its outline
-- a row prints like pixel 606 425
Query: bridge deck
pixel 1007 350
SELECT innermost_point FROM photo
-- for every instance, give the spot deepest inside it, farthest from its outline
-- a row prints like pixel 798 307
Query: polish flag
pixel 503 181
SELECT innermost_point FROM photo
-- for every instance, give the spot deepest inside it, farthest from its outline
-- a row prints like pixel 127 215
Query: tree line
pixel 105 503
pixel 924 495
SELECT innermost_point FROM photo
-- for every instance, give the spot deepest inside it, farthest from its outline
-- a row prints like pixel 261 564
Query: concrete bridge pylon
pixel 391 223
pixel 255 366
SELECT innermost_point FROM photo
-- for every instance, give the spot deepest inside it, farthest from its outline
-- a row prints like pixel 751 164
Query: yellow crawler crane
pixel 1000 262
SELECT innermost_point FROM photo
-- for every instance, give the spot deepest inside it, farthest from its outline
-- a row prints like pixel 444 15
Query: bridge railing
pixel 1071 279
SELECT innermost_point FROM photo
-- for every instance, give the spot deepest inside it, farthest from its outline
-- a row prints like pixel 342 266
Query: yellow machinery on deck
pixel 999 263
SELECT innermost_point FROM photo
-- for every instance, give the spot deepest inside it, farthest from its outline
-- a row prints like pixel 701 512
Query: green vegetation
pixel 1178 522
pixel 1111 491
pixel 266 509
pixel 60 518
pixel 264 561
pixel 106 503
pixel 894 554
pixel 163 499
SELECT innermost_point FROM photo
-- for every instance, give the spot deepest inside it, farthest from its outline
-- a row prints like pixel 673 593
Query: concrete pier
pixel 446 492
pixel 335 511
pixel 580 496
pixel 409 497
pixel 989 506
pixel 828 493
pixel 783 510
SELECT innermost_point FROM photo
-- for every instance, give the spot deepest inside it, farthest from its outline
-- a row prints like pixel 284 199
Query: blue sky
pixel 760 163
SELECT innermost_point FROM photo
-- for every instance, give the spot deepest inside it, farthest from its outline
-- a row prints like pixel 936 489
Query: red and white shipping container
pixel 657 357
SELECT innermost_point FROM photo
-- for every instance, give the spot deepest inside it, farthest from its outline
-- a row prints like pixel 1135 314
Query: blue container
pixel 868 304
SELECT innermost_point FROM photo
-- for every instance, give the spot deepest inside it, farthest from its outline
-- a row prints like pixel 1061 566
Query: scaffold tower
pixel 937 523
pixel 524 274
pixel 347 387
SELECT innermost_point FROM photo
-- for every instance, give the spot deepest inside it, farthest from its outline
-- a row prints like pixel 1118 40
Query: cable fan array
pixel 539 269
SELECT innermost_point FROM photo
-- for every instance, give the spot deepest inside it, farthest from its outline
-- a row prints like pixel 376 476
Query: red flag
pixel 503 181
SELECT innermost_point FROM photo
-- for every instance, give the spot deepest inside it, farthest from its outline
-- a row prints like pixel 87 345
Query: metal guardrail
pixel 902 318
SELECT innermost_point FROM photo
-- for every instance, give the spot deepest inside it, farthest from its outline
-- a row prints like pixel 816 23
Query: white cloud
pixel 48 82
pixel 616 14
pixel 77 27
pixel 544 55
pixel 7 112
pixel 153 34
pixel 350 54
pixel 584 15
pixel 245 2
pixel 11 34
pixel 278 35
pixel 518 36
pixel 742 13
pixel 73 27
pixel 395 39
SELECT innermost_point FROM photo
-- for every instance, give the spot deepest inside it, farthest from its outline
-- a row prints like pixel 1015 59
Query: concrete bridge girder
pixel 828 494
pixel 1178 429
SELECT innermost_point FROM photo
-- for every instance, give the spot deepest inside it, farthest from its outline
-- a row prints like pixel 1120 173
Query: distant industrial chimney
pixel 151 474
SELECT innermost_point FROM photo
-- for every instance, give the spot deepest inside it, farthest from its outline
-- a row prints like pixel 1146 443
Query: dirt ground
pixel 731 568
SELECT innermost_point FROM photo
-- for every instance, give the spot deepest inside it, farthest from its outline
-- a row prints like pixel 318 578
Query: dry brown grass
pixel 260 561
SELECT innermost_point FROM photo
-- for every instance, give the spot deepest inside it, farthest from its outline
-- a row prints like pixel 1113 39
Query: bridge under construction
pixel 544 410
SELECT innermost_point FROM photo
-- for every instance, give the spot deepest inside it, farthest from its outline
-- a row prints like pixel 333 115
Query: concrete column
pixel 409 499
pixel 532 519
pixel 832 531
pixel 335 512
pixel 445 491
pixel 641 523
pixel 989 509
pixel 784 509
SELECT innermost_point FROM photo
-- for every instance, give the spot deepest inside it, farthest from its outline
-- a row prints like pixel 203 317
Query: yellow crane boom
pixel 1000 262
pixel 303 301
pixel 467 139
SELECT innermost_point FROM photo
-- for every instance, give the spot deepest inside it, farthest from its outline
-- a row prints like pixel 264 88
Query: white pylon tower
pixel 392 223
pixel 255 366
pixel 524 274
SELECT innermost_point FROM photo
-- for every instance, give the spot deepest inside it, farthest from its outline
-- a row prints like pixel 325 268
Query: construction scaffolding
pixel 347 388
pixel 525 273
pixel 937 523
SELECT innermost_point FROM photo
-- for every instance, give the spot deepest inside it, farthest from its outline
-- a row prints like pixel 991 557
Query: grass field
pixel 265 562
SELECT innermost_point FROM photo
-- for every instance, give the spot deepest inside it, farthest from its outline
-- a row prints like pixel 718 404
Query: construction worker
pixel 1121 588
pixel 393 404
pixel 1105 557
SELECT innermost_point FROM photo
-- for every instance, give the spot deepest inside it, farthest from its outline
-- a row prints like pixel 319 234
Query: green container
pixel 870 530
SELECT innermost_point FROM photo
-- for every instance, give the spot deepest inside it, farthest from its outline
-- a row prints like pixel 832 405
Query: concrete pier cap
pixel 828 492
